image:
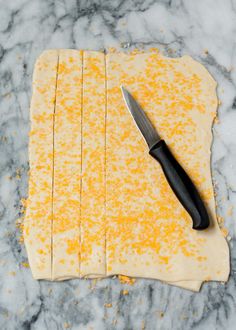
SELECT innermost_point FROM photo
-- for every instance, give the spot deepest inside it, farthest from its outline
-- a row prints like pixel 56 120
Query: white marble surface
pixel 205 29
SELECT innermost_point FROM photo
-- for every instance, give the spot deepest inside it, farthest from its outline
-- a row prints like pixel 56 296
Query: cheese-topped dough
pixel 98 204
pixel 93 165
pixel 38 217
pixel 67 166
pixel 149 233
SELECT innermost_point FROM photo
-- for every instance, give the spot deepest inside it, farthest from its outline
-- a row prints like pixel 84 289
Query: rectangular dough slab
pixel 98 204
pixel 149 233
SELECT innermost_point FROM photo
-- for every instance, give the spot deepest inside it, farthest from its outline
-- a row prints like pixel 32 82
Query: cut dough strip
pixel 67 166
pixel 38 218
pixel 93 166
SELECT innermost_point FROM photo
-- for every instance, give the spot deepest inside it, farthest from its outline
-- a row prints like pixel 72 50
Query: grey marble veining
pixel 204 29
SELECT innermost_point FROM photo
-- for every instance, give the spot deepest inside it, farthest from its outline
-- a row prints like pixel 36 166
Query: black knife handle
pixel 181 184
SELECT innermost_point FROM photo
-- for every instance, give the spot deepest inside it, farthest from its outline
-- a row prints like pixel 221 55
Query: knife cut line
pixel 105 164
pixel 53 161
pixel 81 158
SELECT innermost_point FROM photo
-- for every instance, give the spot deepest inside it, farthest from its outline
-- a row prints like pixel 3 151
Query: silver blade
pixel 145 126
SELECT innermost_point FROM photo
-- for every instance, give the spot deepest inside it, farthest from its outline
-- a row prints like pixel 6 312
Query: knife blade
pixel 176 176
pixel 140 118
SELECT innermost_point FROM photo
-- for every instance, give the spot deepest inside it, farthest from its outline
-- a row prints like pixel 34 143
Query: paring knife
pixel 178 179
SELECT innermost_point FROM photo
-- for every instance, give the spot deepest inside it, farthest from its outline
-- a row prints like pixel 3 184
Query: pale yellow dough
pixel 98 204
pixel 149 233
pixel 38 218
pixel 93 166
pixel 67 166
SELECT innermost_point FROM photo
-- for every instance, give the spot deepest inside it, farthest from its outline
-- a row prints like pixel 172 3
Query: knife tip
pixel 124 90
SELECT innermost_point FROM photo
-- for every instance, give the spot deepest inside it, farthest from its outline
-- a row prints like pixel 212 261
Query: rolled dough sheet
pixel 93 166
pixel 67 166
pixel 148 232
pixel 38 217
pixel 120 217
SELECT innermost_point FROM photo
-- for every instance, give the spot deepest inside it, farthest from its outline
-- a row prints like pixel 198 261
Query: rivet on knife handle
pixel 181 184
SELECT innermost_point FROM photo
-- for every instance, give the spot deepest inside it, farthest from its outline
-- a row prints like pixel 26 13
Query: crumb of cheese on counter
pixel 66 325
pixel 25 264
pixel 108 305
pixel 125 292
pixel 230 211
pixel 126 280
pixel 12 273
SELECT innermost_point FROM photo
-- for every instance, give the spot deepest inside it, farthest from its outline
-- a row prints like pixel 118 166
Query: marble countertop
pixel 204 29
